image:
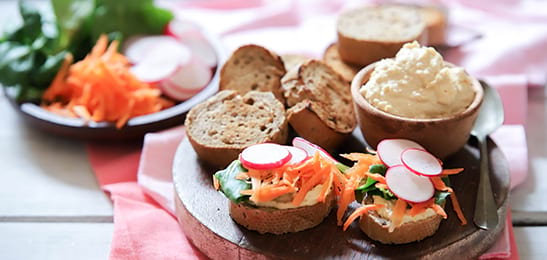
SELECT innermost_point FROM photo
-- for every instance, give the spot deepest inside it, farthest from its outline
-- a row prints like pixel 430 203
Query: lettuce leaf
pixel 229 185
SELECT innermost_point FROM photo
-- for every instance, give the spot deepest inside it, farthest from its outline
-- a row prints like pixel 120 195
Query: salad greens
pixel 31 54
pixel 229 185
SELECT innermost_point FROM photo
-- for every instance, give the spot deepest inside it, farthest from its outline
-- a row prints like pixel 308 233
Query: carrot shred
pixel 451 171
pixel 377 177
pixel 439 210
pixel 397 214
pixel 101 87
pixel 216 183
pixel 359 212
pixel 457 208
pixel 440 185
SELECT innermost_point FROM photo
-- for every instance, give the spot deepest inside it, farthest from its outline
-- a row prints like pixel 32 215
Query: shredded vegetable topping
pixel 101 88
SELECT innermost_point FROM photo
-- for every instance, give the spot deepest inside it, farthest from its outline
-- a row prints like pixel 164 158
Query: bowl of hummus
pixel 417 95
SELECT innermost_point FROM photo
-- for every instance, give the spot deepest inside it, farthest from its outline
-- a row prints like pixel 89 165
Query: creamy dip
pixel 285 202
pixel 386 211
pixel 418 84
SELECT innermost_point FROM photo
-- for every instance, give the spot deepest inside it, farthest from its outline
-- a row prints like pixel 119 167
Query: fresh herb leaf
pixel 378 168
pixel 229 185
pixel 440 197
pixel 342 167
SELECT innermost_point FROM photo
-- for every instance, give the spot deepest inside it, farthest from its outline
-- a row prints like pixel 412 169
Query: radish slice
pixel 312 148
pixel 389 150
pixel 192 77
pixel 264 156
pixel 175 92
pixel 191 35
pixel 298 155
pixel 157 57
pixel 409 186
pixel 421 162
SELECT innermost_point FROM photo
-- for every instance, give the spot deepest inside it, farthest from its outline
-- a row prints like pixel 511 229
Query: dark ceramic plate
pixel 136 127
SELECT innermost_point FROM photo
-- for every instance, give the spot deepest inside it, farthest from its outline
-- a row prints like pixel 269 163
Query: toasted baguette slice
pixel 280 221
pixel 253 67
pixel 436 23
pixel 324 93
pixel 221 127
pixel 292 60
pixel 332 58
pixel 377 228
pixel 371 33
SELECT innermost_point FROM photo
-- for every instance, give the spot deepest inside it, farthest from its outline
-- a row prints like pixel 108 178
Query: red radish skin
pixel 312 148
pixel 409 186
pixel 421 162
pixel 389 150
pixel 192 36
pixel 298 155
pixel 264 156
pixel 175 92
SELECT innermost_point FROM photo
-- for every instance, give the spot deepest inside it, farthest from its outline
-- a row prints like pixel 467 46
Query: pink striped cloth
pixel 508 54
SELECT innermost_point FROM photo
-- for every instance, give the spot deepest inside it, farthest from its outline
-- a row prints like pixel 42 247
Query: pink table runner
pixel 508 56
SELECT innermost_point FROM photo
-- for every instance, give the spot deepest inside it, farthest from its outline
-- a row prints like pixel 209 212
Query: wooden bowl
pixel 441 136
pixel 37 117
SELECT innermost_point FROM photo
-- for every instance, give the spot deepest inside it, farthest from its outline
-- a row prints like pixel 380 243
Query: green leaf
pixel 342 167
pixel 229 185
pixel 16 62
pixel 71 16
pixel 378 168
pixel 440 197
pixel 44 73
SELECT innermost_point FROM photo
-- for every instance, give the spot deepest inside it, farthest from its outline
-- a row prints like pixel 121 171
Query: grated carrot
pixel 457 208
pixel 216 183
pixel 439 210
pixel 440 185
pixel 451 171
pixel 397 214
pixel 359 212
pixel 101 88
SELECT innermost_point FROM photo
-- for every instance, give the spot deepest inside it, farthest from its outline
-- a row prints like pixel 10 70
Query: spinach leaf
pixel 440 197
pixel 229 185
pixel 378 168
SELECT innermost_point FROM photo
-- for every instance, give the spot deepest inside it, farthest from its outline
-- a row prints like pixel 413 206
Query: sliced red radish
pixel 264 156
pixel 312 148
pixel 298 155
pixel 421 162
pixel 409 186
pixel 389 150
pixel 175 92
pixel 191 78
pixel 191 35
pixel 157 57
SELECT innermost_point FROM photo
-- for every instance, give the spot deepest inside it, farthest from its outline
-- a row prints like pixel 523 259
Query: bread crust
pixel 280 221
pixel 362 52
pixel 436 23
pixel 253 67
pixel 229 119
pixel 323 92
pixel 331 56
pixel 377 228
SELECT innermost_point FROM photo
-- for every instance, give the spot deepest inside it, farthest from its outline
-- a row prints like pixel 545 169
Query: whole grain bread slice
pixel 333 59
pixel 252 67
pixel 371 33
pixel 225 124
pixel 323 92
pixel 280 221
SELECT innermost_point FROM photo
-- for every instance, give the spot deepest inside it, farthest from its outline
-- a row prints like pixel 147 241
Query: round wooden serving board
pixel 203 216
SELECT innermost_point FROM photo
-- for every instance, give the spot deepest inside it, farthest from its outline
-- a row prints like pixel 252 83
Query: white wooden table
pixel 52 208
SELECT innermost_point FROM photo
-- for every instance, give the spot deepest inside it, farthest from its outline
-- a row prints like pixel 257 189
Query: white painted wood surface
pixel 57 241
pixel 52 208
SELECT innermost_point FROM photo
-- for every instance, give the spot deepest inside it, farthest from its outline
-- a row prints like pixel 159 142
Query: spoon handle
pixel 486 215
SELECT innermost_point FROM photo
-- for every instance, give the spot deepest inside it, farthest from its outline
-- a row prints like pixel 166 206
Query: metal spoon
pixel 489 119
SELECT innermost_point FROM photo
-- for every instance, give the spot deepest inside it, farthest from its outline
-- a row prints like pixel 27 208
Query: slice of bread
pixel 225 124
pixel 252 67
pixel 292 60
pixel 371 33
pixel 377 228
pixel 280 221
pixel 324 93
pixel 333 59
pixel 436 23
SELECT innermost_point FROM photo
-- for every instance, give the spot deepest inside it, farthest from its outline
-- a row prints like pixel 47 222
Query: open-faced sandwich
pixel 402 189
pixel 280 189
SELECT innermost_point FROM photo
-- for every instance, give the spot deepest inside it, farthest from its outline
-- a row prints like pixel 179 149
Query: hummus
pixel 418 84
pixel 386 211
pixel 285 201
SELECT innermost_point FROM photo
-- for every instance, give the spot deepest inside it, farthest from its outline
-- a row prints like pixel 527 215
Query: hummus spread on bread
pixel 418 84
pixel 285 201
pixel 387 210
